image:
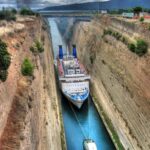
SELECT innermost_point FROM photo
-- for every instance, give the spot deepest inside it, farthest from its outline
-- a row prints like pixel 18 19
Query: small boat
pixel 89 144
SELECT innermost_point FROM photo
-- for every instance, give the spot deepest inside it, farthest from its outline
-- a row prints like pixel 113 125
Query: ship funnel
pixel 60 52
pixel 74 52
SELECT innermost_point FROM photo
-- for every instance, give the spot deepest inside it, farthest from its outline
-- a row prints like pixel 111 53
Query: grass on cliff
pixel 37 47
pixel 5 61
pixel 142 19
pixel 110 126
pixel 27 12
pixel 27 67
pixel 8 15
pixel 140 47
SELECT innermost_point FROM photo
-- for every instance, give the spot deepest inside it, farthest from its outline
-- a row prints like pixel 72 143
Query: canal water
pixel 83 123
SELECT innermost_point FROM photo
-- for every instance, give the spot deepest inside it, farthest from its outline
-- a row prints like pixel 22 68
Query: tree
pixel 27 67
pixel 14 11
pixel 132 47
pixel 3 75
pixel 5 61
pixel 26 11
pixel 141 47
pixel 142 19
pixel 137 10
pixel 39 47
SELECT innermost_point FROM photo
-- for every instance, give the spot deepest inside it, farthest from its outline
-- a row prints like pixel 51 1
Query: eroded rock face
pixel 120 79
pixel 29 110
pixel 16 118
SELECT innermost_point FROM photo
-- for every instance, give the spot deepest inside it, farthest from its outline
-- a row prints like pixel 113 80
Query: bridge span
pixel 66 13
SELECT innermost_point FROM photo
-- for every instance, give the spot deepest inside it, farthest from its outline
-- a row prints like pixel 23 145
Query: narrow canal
pixel 82 123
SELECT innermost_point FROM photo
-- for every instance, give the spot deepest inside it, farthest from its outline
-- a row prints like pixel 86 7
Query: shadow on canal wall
pixel 88 117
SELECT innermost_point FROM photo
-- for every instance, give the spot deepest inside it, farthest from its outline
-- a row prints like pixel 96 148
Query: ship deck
pixel 71 67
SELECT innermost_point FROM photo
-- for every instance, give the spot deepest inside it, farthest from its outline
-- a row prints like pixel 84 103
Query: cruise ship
pixel 73 77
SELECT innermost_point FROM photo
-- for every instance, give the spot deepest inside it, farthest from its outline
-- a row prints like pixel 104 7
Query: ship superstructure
pixel 73 77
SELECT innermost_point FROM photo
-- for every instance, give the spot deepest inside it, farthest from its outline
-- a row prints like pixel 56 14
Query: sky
pixel 45 3
pixel 40 3
pixel 73 1
pixel 49 1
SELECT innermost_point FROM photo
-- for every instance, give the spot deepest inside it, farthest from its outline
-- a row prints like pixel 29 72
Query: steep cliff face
pixel 120 79
pixel 29 110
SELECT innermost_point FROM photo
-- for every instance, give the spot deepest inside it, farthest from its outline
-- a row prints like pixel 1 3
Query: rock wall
pixel 120 80
pixel 29 111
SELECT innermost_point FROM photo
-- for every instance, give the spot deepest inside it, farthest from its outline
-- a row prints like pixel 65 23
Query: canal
pixel 83 123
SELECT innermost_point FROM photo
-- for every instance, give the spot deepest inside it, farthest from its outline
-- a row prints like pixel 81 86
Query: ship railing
pixel 75 79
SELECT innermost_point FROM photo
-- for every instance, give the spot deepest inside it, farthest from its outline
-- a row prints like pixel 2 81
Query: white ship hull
pixel 73 77
pixel 76 92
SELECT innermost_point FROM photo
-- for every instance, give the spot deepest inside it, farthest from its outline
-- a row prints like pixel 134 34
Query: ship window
pixel 77 71
pixel 71 71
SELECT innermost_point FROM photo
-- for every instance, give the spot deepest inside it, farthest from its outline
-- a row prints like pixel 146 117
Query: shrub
pixel 124 40
pixel 132 47
pixel 149 28
pixel 141 48
pixel 7 15
pixel 14 11
pixel 108 31
pixel 137 10
pixel 118 36
pixel 3 75
pixel 39 46
pixel 142 19
pixel 33 50
pixel 5 60
pixel 27 67
pixel 26 11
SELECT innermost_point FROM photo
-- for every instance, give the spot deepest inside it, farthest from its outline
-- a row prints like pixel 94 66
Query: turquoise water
pixel 83 123
pixel 90 126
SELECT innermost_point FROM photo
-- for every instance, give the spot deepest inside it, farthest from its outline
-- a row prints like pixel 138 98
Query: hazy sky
pixel 72 1
pixel 47 1
pixel 40 3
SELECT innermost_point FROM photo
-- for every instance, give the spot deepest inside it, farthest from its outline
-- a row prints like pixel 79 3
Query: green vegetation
pixel 8 14
pixel 140 48
pixel 142 19
pixel 116 35
pixel 110 126
pixel 14 11
pixel 27 67
pixel 137 10
pixel 27 11
pixel 132 47
pixel 5 61
pixel 120 11
pixel 113 132
pixel 37 47
pixel 3 75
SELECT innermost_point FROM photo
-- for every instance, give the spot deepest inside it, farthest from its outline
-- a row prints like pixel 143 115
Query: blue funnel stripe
pixel 60 52
pixel 74 52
